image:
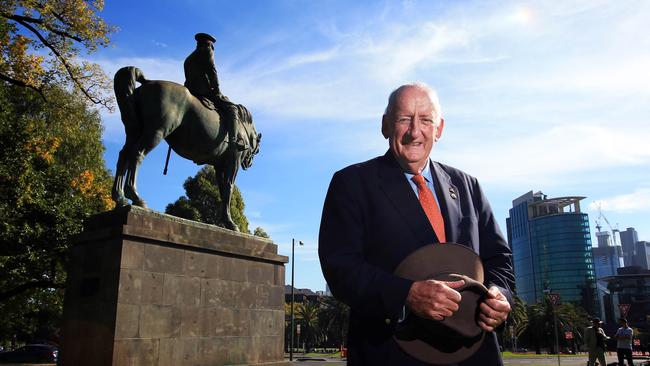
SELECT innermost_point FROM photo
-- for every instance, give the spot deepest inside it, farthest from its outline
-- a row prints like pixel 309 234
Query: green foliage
pixel 333 318
pixel 52 177
pixel 203 201
pixel 534 324
pixel 261 233
pixel 41 40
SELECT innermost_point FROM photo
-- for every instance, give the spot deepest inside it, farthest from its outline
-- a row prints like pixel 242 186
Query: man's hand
pixel 433 299
pixel 493 310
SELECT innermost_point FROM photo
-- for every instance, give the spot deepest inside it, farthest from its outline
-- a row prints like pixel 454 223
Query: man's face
pixel 411 130
pixel 596 324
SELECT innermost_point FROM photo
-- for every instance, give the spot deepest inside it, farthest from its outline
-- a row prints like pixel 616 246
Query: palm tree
pixel 307 315
pixel 333 319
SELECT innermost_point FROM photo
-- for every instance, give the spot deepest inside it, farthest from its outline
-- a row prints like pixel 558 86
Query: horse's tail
pixel 124 84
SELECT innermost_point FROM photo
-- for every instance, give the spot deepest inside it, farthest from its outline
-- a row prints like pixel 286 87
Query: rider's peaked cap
pixel 204 37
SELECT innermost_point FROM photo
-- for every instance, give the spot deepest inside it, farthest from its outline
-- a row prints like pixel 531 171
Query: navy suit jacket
pixel 371 221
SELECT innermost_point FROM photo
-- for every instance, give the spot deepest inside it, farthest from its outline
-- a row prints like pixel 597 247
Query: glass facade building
pixel 551 245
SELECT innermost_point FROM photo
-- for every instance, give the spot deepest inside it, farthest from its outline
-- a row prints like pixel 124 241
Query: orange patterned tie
pixel 430 207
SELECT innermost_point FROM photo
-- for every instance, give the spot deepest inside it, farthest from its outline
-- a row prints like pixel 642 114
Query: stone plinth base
pixel 151 289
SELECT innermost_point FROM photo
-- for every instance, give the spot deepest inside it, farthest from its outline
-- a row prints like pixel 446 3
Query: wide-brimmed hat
pixel 204 37
pixel 459 336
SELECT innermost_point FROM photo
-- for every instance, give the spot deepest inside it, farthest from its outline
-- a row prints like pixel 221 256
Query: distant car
pixel 31 353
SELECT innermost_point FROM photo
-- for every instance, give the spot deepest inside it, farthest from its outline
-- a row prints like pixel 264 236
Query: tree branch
pixel 39 21
pixel 28 286
pixel 62 59
pixel 22 84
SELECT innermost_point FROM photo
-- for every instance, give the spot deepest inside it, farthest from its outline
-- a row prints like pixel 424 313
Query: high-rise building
pixel 551 245
pixel 642 254
pixel 608 258
pixel 629 237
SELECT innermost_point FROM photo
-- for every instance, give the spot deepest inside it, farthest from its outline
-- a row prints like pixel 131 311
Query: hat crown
pixel 199 37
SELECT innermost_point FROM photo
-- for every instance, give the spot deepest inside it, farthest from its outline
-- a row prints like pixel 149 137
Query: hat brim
pixel 433 341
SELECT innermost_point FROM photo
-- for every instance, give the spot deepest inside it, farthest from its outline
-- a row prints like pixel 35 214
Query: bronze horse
pixel 159 110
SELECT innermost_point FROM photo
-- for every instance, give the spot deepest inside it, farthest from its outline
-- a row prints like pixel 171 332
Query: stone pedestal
pixel 151 289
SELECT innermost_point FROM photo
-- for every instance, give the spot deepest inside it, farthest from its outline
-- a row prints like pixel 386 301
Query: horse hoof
pixel 139 203
pixel 121 202
pixel 229 225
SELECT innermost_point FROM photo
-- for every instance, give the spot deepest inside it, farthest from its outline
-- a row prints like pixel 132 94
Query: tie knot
pixel 419 180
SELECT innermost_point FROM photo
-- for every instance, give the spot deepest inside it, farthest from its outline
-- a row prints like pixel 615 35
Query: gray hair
pixel 433 96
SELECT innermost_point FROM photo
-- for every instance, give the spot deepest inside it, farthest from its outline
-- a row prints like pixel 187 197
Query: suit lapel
pixel 449 201
pixel 393 183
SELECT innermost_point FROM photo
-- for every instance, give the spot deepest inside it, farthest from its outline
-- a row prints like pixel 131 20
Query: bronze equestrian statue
pixel 159 110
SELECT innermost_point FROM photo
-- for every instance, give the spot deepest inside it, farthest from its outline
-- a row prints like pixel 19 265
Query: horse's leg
pixel 226 179
pixel 117 192
pixel 122 168
pixel 147 142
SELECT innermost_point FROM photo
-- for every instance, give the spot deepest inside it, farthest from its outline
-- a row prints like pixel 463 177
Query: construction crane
pixel 602 216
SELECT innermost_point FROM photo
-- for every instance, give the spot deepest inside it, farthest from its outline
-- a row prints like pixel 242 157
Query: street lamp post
pixel 293 247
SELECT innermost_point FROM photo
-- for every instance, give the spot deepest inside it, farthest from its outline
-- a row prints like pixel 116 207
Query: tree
pixel 261 233
pixel 41 40
pixel 52 177
pixel 203 201
pixel 333 318
pixel 307 315
pixel 534 326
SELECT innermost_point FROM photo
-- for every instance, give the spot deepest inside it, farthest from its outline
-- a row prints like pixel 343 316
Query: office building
pixel 642 254
pixel 551 244
pixel 631 285
pixel 629 237
pixel 608 258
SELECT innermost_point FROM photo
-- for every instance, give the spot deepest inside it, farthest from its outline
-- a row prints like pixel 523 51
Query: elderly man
pixel 378 212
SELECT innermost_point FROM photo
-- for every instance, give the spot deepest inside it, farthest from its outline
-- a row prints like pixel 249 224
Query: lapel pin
pixel 452 193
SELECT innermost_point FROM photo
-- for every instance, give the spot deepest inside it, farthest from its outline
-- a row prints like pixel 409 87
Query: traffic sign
pixel 555 299
pixel 298 329
pixel 623 308
pixel 568 335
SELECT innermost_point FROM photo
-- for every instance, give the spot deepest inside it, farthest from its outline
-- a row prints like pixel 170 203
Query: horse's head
pixel 254 139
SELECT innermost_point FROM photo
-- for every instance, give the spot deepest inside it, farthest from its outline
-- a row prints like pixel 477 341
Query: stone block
pixel 127 320
pixel 130 291
pixel 233 269
pixel 132 255
pixel 279 273
pixel 157 321
pixel 163 259
pixel 166 351
pixel 152 288
pixel 196 264
pixel 218 293
pixel 193 322
pixel 213 351
pixel 181 290
pixel 186 351
pixel 260 272
pixel 262 322
pixel 135 352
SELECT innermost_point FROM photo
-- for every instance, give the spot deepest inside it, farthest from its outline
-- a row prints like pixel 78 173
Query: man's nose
pixel 415 128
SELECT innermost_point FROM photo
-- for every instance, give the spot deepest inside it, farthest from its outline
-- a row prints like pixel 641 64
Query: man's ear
pixel 441 125
pixel 385 126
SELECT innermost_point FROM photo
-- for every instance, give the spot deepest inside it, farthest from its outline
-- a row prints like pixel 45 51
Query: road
pixel 531 360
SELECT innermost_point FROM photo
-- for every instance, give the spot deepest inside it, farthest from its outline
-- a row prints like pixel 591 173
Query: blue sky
pixel 551 96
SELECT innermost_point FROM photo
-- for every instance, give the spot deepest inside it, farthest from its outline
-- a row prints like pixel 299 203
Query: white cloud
pixel 637 201
pixel 547 158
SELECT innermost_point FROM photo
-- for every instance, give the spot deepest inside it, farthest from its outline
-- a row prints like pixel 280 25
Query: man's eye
pixel 403 120
pixel 427 121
